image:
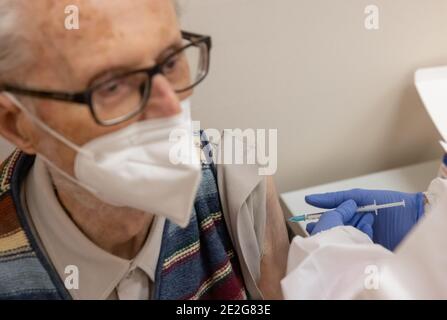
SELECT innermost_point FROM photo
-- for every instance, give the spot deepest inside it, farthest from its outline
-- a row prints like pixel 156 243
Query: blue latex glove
pixel 390 225
pixel 345 214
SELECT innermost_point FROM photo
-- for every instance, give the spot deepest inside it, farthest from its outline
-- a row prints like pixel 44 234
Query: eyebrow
pixel 107 73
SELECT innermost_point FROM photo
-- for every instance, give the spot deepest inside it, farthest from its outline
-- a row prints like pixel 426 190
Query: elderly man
pixel 92 205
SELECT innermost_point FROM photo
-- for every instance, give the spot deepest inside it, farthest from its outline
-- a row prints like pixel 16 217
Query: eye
pixel 170 65
pixel 112 88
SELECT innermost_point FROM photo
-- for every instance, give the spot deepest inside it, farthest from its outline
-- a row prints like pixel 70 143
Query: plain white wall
pixel 341 97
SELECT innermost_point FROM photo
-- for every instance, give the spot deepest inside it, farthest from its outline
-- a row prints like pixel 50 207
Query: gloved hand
pixel 345 214
pixel 391 225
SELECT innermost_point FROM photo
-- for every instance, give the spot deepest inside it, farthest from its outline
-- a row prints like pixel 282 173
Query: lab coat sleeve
pixel 335 264
pixel 418 269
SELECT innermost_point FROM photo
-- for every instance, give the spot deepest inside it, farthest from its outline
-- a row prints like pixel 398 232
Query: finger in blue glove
pixel 338 217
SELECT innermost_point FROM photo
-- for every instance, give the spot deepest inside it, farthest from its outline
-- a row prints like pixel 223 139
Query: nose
pixel 163 101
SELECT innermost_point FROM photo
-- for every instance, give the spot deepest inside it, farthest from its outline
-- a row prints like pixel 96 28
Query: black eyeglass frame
pixel 84 98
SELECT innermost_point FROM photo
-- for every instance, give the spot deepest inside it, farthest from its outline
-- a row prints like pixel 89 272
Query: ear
pixel 14 126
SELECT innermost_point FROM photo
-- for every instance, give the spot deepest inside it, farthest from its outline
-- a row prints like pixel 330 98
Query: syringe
pixel 370 208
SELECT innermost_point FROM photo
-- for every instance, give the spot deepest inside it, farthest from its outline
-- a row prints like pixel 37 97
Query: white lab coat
pixel 343 263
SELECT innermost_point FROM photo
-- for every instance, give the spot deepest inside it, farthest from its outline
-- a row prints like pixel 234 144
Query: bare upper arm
pixel 276 246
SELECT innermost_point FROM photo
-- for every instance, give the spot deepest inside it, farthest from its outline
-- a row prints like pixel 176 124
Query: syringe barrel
pixel 313 216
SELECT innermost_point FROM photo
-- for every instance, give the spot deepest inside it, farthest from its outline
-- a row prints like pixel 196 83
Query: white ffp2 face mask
pixel 152 165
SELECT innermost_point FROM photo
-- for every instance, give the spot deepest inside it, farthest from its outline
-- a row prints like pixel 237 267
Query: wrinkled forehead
pixel 111 34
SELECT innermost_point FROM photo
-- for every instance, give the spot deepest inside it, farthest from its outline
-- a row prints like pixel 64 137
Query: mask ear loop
pixel 45 127
pixel 59 137
pixel 66 175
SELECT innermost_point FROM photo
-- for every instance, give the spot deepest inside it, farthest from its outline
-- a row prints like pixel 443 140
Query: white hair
pixel 14 47
pixel 14 51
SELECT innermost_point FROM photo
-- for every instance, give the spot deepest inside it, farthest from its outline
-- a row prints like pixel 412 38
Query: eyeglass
pixel 123 97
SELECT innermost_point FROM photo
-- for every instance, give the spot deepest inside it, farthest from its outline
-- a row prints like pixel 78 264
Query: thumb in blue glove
pixel 345 214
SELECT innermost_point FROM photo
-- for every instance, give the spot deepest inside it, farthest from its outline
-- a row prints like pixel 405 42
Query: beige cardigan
pixel 243 195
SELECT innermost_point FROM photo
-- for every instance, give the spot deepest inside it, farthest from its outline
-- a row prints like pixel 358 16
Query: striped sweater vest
pixel 443 169
pixel 197 262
